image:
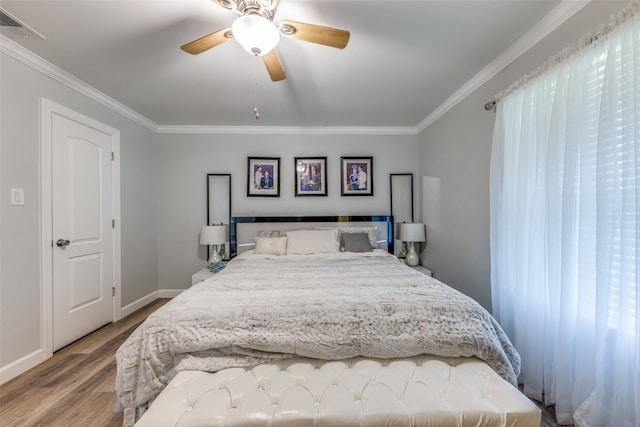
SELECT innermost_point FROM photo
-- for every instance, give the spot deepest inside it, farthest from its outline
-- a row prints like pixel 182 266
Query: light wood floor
pixel 76 387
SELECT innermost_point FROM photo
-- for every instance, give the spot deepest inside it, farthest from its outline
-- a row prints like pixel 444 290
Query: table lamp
pixel 412 233
pixel 213 235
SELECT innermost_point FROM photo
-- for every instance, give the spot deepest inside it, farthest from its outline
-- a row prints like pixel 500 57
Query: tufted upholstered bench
pixel 417 391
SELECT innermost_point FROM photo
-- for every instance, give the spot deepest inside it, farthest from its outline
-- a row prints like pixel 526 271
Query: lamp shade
pixel 256 34
pixel 213 235
pixel 412 232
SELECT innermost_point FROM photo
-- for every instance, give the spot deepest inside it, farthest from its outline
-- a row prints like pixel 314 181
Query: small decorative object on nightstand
pixel 403 251
pixel 412 233
pixel 222 252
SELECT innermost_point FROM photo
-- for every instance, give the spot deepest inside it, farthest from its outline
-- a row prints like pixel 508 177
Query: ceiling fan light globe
pixel 256 34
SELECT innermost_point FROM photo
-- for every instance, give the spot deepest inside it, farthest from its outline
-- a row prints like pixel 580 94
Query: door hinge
pixel 113 223
pixel 113 156
pixel 113 291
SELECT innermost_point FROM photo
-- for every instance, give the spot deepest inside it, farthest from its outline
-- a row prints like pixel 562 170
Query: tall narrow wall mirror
pixel 401 196
pixel 219 205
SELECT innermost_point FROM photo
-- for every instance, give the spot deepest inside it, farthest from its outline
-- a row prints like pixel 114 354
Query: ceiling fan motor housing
pixel 264 8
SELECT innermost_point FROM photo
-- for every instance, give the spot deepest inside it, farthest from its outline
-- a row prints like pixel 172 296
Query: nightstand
pixel 204 274
pixel 423 270
pixel 201 275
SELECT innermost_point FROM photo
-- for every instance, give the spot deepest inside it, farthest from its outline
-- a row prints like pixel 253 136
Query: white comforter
pixel 262 308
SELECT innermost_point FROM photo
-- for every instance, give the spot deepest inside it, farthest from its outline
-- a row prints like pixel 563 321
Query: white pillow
pixel 302 242
pixel 271 245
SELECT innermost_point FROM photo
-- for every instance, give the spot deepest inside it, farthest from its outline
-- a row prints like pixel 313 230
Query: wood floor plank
pixel 109 379
pixel 18 412
pixel 74 406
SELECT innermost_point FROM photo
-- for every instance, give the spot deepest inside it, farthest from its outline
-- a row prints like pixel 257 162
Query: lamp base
pixel 215 256
pixel 215 262
pixel 412 258
pixel 214 267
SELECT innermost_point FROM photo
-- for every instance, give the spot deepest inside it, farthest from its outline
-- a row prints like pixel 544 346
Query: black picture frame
pixel 354 171
pixel 263 176
pixel 310 176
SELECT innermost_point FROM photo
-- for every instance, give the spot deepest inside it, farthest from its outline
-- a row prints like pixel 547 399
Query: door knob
pixel 63 243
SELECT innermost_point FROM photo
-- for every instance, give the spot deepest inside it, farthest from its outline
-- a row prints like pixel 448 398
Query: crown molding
pixel 558 16
pixel 36 62
pixel 288 130
pixel 43 66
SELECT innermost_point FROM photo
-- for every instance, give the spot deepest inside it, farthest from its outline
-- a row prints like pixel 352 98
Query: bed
pixel 307 314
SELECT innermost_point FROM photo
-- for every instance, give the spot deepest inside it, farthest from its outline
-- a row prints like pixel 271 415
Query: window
pixel 565 228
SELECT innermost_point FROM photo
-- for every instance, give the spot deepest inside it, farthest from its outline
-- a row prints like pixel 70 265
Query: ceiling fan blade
pixel 274 66
pixel 207 42
pixel 315 34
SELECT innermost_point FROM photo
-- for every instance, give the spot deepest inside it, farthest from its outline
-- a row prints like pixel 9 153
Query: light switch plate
pixel 17 197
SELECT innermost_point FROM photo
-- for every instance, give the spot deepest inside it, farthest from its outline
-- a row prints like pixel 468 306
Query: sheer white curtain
pixel 565 228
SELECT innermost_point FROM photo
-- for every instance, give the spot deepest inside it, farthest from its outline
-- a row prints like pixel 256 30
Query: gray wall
pixel 455 154
pixel 21 89
pixel 184 161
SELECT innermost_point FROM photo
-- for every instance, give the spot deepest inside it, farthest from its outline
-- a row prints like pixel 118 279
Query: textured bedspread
pixel 263 308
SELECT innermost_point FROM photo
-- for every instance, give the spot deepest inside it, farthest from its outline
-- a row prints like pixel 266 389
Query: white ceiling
pixel 404 58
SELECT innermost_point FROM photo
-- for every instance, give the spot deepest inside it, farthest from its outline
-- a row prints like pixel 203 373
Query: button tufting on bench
pixel 359 391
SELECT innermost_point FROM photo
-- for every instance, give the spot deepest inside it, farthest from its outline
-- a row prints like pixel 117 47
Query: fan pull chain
pixel 255 90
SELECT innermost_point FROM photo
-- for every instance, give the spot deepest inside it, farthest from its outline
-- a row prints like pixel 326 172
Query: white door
pixel 81 230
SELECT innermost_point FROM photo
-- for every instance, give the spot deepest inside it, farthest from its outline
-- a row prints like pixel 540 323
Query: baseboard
pixel 169 293
pixel 22 365
pixel 138 304
pixel 33 359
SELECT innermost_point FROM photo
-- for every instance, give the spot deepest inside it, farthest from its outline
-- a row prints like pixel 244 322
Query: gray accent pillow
pixel 355 242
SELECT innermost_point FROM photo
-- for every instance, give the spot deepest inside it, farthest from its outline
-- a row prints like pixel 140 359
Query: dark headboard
pixel 298 222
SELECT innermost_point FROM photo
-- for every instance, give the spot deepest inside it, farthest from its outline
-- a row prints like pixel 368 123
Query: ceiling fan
pixel 257 34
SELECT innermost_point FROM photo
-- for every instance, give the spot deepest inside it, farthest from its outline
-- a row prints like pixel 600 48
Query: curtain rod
pixel 589 38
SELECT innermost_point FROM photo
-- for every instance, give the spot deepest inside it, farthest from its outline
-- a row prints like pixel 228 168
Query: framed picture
pixel 263 176
pixel 357 176
pixel 311 176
